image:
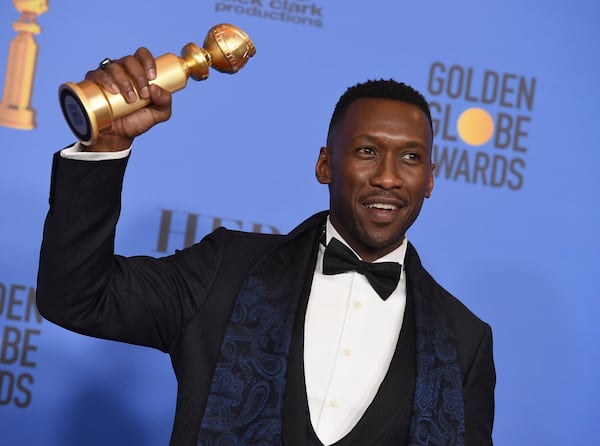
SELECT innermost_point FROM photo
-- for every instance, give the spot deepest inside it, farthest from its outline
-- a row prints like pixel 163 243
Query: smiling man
pixel 332 334
pixel 377 164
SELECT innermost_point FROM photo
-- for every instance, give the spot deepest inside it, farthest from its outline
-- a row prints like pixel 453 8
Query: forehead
pixel 384 116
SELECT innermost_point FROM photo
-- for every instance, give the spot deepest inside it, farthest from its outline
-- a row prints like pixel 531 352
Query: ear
pixel 430 184
pixel 323 167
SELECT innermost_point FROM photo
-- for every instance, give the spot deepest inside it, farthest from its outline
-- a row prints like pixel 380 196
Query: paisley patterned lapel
pixel 246 397
pixel 438 407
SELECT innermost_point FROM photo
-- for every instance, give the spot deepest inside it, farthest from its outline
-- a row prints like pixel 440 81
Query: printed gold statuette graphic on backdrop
pixel 15 108
pixel 90 110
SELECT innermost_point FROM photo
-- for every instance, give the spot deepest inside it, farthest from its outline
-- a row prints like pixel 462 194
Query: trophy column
pixel 15 108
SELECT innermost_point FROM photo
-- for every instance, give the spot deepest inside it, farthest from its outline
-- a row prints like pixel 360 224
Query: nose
pixel 387 174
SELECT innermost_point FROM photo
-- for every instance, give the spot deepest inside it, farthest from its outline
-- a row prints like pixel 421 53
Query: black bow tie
pixel 382 276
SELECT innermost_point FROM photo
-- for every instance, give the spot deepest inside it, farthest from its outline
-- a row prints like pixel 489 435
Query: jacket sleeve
pixel 478 391
pixel 84 287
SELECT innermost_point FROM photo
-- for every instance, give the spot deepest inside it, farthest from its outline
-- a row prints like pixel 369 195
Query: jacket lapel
pixel 245 403
pixel 438 407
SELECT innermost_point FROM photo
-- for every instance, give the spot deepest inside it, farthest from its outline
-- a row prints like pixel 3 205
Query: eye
pixel 411 156
pixel 366 150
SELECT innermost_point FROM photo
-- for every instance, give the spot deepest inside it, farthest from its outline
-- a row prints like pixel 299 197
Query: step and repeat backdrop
pixel 511 228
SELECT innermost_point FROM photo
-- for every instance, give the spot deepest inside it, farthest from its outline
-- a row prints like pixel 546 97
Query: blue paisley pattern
pixel 246 399
pixel 438 417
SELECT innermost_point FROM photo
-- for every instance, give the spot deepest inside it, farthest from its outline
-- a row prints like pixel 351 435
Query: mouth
pixel 383 210
pixel 382 206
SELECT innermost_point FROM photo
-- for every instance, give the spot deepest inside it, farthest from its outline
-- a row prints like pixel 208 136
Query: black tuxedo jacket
pixel 181 304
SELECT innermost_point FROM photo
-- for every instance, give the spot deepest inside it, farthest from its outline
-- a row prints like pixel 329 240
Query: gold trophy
pixel 15 108
pixel 90 110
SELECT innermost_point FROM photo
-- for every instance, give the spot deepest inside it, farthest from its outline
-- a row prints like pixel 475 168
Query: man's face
pixel 378 168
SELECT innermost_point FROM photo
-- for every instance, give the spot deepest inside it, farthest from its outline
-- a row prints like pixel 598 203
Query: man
pixel 282 339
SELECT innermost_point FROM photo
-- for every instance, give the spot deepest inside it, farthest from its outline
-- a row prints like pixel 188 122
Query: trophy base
pixel 75 114
pixel 17 118
pixel 85 109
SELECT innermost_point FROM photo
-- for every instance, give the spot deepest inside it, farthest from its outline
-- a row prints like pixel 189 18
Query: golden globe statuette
pixel 90 110
pixel 15 110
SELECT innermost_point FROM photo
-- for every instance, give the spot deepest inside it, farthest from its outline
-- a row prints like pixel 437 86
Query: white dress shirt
pixel 74 152
pixel 350 339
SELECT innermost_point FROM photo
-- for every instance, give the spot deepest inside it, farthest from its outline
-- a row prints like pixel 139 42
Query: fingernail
pixel 151 73
pixel 145 92
pixel 131 96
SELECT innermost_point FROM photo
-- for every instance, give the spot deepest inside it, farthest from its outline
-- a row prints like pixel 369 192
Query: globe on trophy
pixel 90 110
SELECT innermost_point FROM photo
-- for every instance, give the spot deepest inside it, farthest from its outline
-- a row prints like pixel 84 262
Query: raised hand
pixel 130 76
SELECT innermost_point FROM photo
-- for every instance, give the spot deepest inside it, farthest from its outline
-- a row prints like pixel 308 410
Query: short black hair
pixel 379 89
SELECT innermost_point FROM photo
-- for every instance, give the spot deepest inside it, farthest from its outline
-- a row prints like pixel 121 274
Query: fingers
pixel 147 61
pixel 128 76
pixel 139 68
pixel 132 76
pixel 161 103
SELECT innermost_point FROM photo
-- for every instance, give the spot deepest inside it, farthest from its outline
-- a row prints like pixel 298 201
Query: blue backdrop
pixel 511 229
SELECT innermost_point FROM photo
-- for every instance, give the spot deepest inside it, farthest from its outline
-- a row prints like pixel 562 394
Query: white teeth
pixel 387 207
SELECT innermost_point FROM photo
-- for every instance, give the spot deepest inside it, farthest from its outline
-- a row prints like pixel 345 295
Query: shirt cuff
pixel 74 152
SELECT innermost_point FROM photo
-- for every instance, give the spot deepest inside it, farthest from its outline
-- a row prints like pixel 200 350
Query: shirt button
pixel 357 304
pixel 347 352
pixel 333 403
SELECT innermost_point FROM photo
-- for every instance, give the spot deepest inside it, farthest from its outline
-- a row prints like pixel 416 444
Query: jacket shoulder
pixel 470 330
